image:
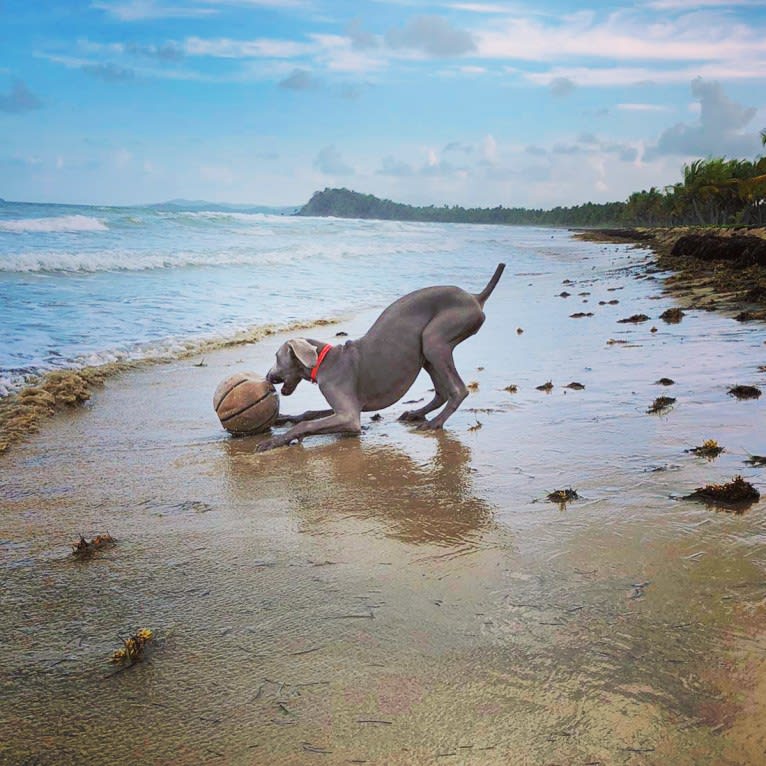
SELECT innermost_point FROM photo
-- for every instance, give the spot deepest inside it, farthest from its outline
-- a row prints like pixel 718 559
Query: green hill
pixel 344 203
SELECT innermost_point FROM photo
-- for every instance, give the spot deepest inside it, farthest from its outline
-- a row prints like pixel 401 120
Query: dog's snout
pixel 272 377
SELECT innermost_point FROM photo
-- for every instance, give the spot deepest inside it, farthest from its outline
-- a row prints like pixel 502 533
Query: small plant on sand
pixel 512 389
pixel 660 404
pixel 562 496
pixel 735 495
pixel 84 549
pixel 132 649
pixel 710 448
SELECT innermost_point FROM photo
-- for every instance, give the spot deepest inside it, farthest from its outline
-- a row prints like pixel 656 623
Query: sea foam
pixel 65 223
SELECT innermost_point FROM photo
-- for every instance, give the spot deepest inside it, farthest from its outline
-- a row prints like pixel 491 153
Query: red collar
pixel 320 359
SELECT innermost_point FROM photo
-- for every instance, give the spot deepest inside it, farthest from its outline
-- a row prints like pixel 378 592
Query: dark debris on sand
pixel 672 316
pixel 756 460
pixel 710 448
pixel 575 386
pixel 664 382
pixel 563 495
pixel 735 495
pixel 547 387
pixel 634 319
pixel 745 392
pixel 660 404
pixel 581 314
pixel 84 549
pixel 133 648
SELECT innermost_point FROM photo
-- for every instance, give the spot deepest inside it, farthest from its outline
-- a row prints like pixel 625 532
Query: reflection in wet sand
pixel 428 501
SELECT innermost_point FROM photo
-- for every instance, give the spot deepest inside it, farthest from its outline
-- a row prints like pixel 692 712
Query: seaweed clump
pixel 672 316
pixel 710 448
pixel 756 460
pixel 563 495
pixel 736 494
pixel 133 648
pixel 660 404
pixel 745 392
pixel 547 387
pixel 84 549
pixel 24 413
pixel 634 319
pixel 664 382
pixel 575 386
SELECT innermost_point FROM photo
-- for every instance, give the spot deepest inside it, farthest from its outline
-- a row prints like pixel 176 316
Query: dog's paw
pixel 429 425
pixel 269 444
pixel 411 416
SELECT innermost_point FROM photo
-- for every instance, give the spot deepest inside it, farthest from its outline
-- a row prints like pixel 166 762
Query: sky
pixel 459 102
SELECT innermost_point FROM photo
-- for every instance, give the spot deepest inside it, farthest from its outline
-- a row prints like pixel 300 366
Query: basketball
pixel 246 403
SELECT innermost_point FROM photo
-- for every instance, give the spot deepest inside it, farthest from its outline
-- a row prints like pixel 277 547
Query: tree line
pixel 713 192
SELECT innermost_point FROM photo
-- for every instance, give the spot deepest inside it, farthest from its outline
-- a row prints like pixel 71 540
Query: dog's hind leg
pixel 439 339
pixel 439 399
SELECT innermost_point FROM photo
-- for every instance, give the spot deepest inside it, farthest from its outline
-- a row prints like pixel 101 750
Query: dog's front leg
pixel 308 415
pixel 337 423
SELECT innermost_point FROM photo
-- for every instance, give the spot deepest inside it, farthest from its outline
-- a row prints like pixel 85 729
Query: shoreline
pixel 710 284
pixel 722 269
pixel 23 412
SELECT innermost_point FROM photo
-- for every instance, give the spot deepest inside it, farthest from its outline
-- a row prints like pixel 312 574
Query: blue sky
pixel 470 102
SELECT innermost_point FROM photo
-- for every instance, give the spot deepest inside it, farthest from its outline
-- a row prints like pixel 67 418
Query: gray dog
pixel 419 331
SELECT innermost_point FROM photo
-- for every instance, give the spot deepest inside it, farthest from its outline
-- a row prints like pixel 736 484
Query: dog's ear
pixel 304 352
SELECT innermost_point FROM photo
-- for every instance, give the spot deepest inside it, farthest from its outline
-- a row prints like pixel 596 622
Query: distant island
pixel 198 205
pixel 344 203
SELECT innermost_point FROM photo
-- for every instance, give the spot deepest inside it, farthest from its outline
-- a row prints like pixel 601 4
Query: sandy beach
pixel 401 597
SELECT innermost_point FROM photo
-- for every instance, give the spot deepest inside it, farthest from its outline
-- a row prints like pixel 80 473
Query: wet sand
pixel 405 598
pixel 713 268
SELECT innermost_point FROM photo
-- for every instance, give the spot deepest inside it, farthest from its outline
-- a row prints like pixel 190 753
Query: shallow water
pixel 86 285
pixel 405 597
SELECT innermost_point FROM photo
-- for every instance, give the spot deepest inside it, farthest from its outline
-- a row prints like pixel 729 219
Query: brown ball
pixel 246 403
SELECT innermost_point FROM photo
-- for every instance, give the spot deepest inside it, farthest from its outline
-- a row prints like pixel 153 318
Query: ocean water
pixel 83 285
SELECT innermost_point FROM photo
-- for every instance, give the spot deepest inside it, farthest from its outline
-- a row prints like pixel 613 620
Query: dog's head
pixel 295 360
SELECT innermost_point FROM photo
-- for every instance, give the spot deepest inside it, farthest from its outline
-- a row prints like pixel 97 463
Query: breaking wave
pixel 65 223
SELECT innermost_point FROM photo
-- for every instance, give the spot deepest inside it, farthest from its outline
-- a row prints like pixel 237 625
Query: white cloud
pixel 432 36
pixel 484 8
pixel 611 76
pixel 622 36
pixel 691 5
pixel 339 54
pixel 224 47
pixel 330 162
pixel 489 149
pixel 719 131
pixel 139 10
pixel 19 99
pixel 643 108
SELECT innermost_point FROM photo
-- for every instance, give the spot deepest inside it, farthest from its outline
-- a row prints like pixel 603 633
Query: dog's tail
pixel 487 291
